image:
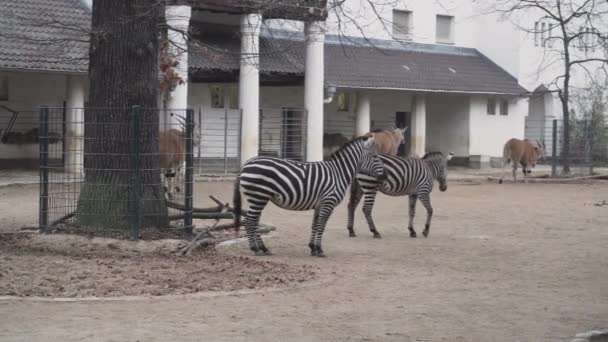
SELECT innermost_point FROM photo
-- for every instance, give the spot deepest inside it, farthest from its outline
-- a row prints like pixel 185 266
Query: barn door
pixel 404 119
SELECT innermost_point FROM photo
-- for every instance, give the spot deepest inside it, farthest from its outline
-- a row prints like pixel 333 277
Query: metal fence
pixel 283 133
pixel 219 150
pixel 588 145
pixel 118 173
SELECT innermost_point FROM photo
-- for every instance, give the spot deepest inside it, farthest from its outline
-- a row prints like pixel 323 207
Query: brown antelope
pixel 172 152
pixel 524 152
pixel 388 141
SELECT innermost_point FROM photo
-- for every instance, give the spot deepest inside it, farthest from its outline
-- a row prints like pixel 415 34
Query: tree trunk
pixel 123 72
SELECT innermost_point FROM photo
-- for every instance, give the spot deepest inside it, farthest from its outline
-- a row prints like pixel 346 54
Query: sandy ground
pixel 502 263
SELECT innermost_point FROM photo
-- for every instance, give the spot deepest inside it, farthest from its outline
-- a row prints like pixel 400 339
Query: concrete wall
pixel 488 133
pixel 447 124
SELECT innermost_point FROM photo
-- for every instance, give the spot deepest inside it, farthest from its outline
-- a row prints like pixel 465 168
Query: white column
pixel 249 85
pixel 74 123
pixel 418 128
pixel 313 89
pixel 178 17
pixel 362 123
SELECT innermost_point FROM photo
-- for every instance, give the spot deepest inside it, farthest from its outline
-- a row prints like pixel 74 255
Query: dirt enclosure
pixel 509 262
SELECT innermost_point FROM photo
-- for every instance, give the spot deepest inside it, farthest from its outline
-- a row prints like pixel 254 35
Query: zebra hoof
pixel 352 234
pixel 500 181
pixel 425 233
pixel 320 254
pixel 267 252
pixel 377 236
pixel 412 234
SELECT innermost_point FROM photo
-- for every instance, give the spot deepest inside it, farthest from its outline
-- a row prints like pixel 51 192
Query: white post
pixel 178 17
pixel 418 125
pixel 249 85
pixel 313 89
pixel 362 122
pixel 74 148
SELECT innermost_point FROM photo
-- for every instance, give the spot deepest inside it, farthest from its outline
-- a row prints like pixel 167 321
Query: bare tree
pixel 574 36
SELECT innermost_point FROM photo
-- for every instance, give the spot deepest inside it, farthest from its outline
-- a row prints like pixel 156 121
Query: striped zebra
pixel 404 176
pixel 295 185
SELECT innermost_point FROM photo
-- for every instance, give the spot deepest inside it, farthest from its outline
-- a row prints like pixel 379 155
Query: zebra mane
pixel 429 155
pixel 336 152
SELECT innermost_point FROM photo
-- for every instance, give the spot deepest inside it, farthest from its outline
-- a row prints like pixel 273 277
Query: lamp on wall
pixel 330 91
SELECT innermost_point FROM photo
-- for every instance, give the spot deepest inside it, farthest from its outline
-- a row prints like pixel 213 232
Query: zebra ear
pixel 450 155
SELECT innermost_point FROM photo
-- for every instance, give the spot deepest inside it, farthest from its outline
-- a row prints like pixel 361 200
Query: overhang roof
pixel 44 35
pixel 361 63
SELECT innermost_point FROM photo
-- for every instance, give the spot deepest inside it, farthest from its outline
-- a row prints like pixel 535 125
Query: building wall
pixel 28 91
pixel 447 124
pixel 488 133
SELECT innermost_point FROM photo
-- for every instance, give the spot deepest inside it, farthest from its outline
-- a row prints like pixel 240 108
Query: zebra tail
pixel 237 205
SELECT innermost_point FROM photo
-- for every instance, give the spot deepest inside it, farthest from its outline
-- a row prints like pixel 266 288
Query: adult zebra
pixel 296 185
pixel 404 176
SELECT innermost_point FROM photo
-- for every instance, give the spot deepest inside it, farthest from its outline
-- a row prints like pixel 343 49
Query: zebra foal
pixel 295 185
pixel 403 176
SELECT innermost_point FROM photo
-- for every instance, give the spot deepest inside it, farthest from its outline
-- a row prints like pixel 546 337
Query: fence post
pixel 135 174
pixel 554 150
pixel 189 168
pixel 43 216
pixel 200 134
pixel 226 141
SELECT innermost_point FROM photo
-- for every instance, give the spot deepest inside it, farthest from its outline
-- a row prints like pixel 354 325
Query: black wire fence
pixel 588 152
pixel 116 172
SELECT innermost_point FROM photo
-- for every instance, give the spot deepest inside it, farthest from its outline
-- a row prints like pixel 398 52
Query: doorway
pixel 404 119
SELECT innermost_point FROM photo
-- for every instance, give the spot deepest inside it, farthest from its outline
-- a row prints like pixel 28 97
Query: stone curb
pixel 591 336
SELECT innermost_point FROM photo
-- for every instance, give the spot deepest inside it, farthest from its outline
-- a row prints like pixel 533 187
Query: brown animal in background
pixel 388 141
pixel 172 151
pixel 524 152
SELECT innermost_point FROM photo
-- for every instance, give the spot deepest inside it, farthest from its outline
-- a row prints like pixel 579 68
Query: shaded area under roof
pixel 44 35
pixel 358 63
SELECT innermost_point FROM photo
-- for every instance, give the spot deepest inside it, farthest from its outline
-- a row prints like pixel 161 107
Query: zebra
pixel 403 176
pixel 295 185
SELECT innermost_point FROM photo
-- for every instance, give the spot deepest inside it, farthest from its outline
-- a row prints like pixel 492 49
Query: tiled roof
pixel 44 35
pixel 358 63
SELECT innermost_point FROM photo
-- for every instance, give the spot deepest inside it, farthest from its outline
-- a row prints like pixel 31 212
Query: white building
pixel 451 77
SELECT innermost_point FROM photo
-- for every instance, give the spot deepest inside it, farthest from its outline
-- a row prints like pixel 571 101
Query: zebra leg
pixel 313 232
pixel 368 205
pixel 325 211
pixel 412 213
pixel 425 199
pixel 355 197
pixel 251 223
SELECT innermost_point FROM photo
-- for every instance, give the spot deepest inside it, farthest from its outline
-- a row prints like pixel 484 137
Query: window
pixel 504 107
pixel 536 25
pixel 445 29
pixel 491 108
pixel 233 97
pixel 217 96
pixel 402 24
pixel 542 34
pixel 3 88
pixel 343 102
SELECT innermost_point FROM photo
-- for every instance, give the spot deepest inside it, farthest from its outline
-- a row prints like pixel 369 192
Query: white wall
pixel 28 91
pixel 447 123
pixel 488 133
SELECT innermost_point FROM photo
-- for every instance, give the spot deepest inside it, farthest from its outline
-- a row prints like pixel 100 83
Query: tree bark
pixel 123 72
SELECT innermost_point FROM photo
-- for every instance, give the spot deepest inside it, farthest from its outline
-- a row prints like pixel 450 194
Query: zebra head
pixel 438 164
pixel 371 165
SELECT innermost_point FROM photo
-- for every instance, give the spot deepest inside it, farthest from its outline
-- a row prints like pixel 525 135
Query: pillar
pixel 362 121
pixel 418 134
pixel 249 85
pixel 74 149
pixel 313 89
pixel 178 17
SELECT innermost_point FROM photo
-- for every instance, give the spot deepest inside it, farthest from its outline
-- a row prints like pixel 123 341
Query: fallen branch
pixel 63 218
pixel 204 238
pixel 203 216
